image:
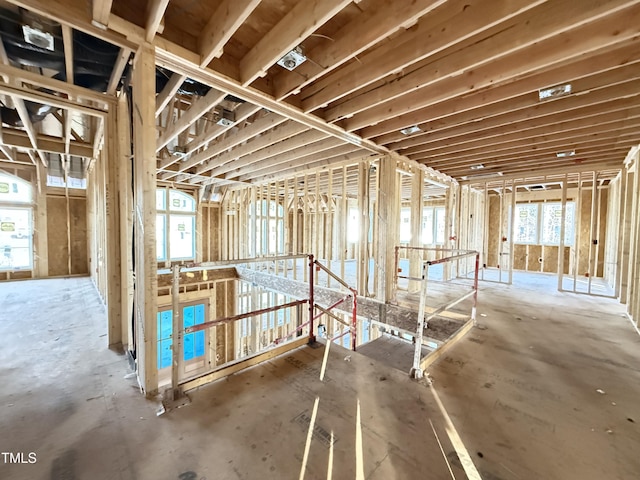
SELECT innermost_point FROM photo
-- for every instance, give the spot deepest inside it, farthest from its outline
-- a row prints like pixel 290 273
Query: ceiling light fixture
pixel 353 139
pixel 292 59
pixel 37 37
pixel 227 118
pixel 410 130
pixel 481 175
pixel 554 92
pixel 567 153
pixel 479 166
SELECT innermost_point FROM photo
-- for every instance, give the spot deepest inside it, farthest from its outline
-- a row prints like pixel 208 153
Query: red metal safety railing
pixel 314 313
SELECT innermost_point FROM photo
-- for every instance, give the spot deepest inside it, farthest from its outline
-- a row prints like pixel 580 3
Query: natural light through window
pixel 175 225
pixel 540 223
pixel 16 231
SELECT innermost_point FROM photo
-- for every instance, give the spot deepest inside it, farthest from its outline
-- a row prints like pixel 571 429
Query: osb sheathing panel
pixel 206 235
pixel 225 307
pixel 533 259
pixel 78 222
pixel 519 257
pixel 57 235
pixel 211 232
pixel 604 194
pixel 551 259
pixel 550 264
pixel 585 232
pixel 494 229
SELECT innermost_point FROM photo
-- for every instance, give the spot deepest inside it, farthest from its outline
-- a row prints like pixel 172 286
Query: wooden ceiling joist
pixel 568 72
pixel 618 86
pixel 381 19
pixel 303 19
pixel 406 49
pixel 101 10
pixel 556 50
pixel 466 72
pixel 588 118
pixel 168 92
pixel 199 108
pixel 256 128
pixel 309 140
pixel 155 12
pixel 254 150
pixel 228 17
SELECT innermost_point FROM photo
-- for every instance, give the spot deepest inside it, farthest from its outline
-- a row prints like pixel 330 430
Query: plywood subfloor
pixel 65 397
pixel 393 352
pixel 523 395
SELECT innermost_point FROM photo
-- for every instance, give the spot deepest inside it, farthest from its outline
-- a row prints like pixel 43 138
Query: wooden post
pixel 110 158
pixel 563 226
pixel 363 211
pixel 145 217
pixel 344 220
pixel 40 223
pixel 387 231
pixel 126 222
pixel 622 229
pixel 375 247
pixel 512 219
pixel 417 203
pixel 592 227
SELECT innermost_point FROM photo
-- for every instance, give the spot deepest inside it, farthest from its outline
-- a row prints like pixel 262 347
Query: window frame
pixel 164 196
pixel 539 228
pixel 22 204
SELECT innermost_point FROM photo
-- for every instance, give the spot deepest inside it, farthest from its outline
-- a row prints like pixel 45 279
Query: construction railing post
pixel 416 370
pixel 395 273
pixel 354 320
pixel 177 333
pixel 312 337
pixel 475 291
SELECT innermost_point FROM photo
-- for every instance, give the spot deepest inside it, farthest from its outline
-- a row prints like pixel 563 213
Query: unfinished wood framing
pixel 145 219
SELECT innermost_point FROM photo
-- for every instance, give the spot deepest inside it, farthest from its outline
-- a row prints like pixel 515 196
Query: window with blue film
pixel 365 331
pixel 165 340
pixel 193 342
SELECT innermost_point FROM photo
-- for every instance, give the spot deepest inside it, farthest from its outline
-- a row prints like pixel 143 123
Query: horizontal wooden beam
pixel 227 18
pixel 541 177
pixel 296 156
pixel 590 91
pixel 305 17
pixel 56 85
pixel 586 117
pixel 381 19
pixel 273 153
pixel 469 18
pixel 523 155
pixel 256 128
pixel 198 108
pixel 608 122
pixel 521 92
pixel 155 12
pixel 168 92
pixel 20 139
pixel 101 10
pixel 253 150
pixel 319 165
pixel 611 30
pixel 47 99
